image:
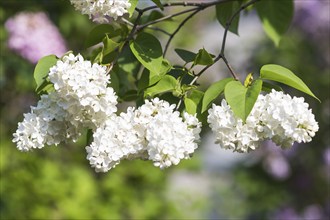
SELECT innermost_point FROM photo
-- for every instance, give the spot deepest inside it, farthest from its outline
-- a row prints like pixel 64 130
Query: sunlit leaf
pixel 166 84
pixel 147 49
pixel 133 6
pixel 203 58
pixel 213 92
pixel 192 102
pixel 283 75
pixel 109 45
pixel 41 72
pixel 242 99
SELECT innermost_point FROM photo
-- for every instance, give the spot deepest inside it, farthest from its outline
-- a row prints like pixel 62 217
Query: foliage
pixel 57 184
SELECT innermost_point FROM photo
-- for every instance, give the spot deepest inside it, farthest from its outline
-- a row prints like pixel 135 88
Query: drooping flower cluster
pixel 33 35
pixel 102 10
pixel 47 123
pixel 83 91
pixel 81 99
pixel 275 116
pixel 154 131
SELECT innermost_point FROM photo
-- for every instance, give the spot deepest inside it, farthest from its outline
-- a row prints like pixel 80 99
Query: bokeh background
pixel 270 183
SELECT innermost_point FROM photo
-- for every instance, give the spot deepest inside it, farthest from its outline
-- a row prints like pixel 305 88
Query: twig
pixel 177 30
pixel 222 51
pixel 166 18
pixel 185 4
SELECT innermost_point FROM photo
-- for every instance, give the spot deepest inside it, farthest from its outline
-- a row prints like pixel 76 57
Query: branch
pixel 222 51
pixel 185 4
pixel 197 6
pixel 177 30
pixel 221 54
pixel 166 18
pixel 231 20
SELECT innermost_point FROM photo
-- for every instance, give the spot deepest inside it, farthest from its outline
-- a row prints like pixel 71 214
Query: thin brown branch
pixel 177 30
pixel 185 4
pixel 166 18
pixel 224 38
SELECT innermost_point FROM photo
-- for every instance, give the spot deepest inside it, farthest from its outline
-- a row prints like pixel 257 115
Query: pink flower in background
pixel 33 35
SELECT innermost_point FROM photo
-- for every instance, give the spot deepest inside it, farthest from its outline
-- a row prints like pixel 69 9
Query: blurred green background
pixel 58 183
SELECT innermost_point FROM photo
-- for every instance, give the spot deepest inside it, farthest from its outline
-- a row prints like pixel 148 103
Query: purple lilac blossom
pixel 277 166
pixel 313 16
pixel 313 212
pixel 326 156
pixel 275 161
pixel 286 213
pixel 33 35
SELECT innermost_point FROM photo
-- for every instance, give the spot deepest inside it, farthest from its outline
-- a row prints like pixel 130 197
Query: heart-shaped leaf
pixel 242 99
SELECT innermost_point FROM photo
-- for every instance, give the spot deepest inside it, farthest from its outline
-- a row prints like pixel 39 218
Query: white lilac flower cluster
pixel 154 131
pixel 102 10
pixel 33 35
pixel 83 90
pixel 275 116
pixel 81 99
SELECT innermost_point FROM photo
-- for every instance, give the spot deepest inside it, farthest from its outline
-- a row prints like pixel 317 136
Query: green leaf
pixel 192 102
pixel 166 84
pixel 109 45
pixel 89 137
pixel 213 92
pixel 159 4
pixel 147 49
pixel 276 17
pixel 133 6
pixel 114 81
pixel 46 86
pixel 283 75
pixel 203 58
pixel 242 99
pixel 150 78
pixel 186 55
pixel 98 33
pixel 164 68
pixel 252 94
pixel 41 72
pixel 224 13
